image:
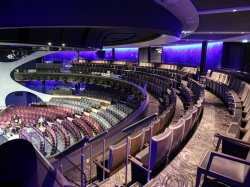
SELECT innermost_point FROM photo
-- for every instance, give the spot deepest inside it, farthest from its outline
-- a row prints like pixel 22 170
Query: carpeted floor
pixel 181 172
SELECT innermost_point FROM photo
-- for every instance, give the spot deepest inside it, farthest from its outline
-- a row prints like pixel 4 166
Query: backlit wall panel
pixel 185 55
pixel 126 54
pixel 61 56
pixel 93 55
pixel 214 55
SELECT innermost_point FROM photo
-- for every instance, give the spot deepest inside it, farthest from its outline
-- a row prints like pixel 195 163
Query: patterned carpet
pixel 181 172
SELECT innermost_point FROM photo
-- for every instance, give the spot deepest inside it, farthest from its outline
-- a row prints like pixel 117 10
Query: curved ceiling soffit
pixel 185 11
pixel 110 14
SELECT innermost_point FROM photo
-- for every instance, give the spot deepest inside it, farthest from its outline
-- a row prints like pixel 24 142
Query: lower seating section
pixel 78 106
pixel 53 128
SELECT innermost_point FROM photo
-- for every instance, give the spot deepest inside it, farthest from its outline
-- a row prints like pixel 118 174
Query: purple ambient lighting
pixel 61 56
pixel 93 55
pixel 185 55
pixel 126 54
pixel 214 55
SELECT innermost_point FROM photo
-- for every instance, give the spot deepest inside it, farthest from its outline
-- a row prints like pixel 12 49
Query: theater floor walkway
pixel 182 170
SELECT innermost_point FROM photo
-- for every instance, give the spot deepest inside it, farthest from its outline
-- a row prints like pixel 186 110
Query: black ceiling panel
pixel 219 4
pixel 210 36
pixel 225 22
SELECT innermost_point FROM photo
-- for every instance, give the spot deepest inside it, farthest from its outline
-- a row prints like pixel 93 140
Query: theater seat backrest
pixel 178 132
pixel 135 143
pixel 117 155
pixel 161 146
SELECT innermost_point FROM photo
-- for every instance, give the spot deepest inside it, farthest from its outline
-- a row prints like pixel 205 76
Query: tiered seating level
pixel 165 141
pixel 231 166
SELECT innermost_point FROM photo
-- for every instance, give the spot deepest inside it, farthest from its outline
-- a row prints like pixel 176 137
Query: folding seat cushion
pixel 188 123
pixel 146 133
pixel 157 126
pixel 135 143
pixel 163 119
pixel 246 137
pixel 178 132
pixel 194 115
pixel 233 131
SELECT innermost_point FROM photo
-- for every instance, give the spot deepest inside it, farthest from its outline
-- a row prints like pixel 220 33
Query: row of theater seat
pixel 231 165
pixel 32 114
pixel 79 107
pixel 235 93
pixel 160 72
pixel 165 140
pixel 137 141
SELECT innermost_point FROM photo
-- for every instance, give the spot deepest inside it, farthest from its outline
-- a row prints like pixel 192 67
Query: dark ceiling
pixel 75 37
pixel 218 21
pixel 219 4
pixel 85 23
pixel 210 36
pixel 225 22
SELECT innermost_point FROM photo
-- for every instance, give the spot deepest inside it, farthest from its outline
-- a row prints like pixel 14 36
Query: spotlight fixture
pixel 234 10
pixel 244 41
pixel 49 43
pixel 63 44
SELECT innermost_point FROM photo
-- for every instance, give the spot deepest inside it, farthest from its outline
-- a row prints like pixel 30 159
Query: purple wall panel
pixel 186 55
pixel 92 55
pixel 126 54
pixel 214 55
pixel 61 56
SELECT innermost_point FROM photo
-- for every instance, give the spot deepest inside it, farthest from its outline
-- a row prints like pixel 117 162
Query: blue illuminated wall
pixel 190 55
pixel 92 55
pixel 214 55
pixel 126 54
pixel 186 55
pixel 61 56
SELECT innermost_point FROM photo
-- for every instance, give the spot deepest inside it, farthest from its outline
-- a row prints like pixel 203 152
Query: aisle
pixel 182 170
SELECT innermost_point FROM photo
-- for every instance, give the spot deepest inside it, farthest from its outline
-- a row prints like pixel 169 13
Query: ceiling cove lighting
pixel 244 41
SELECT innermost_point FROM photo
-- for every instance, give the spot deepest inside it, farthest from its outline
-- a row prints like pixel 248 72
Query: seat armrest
pixel 99 165
pixel 225 156
pixel 231 140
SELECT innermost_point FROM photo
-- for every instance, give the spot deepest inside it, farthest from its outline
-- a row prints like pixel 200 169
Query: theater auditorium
pixel 115 93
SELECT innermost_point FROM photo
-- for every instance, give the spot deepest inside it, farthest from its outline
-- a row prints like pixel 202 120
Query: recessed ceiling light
pixel 234 10
pixel 63 44
pixel 49 43
pixel 244 41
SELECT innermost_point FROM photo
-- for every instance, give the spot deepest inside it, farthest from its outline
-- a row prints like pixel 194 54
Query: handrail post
pixel 126 172
pixel 82 168
pixel 103 160
pixel 91 160
pixel 149 154
pixel 61 166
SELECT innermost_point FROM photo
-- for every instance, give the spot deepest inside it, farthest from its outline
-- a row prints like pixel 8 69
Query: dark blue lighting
pixel 126 54
pixel 186 55
pixel 93 55
pixel 61 56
